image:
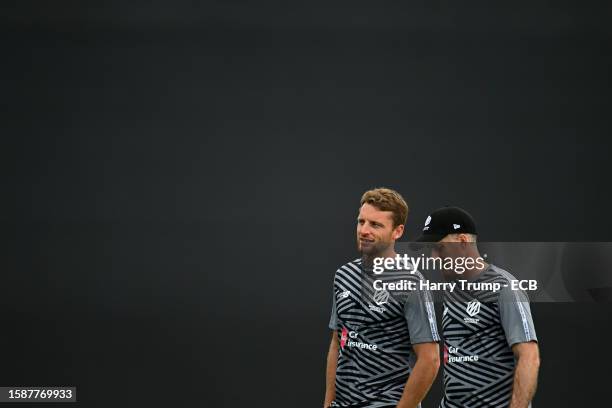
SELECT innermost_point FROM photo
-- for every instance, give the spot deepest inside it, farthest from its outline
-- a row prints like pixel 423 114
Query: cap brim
pixel 423 241
pixel 430 237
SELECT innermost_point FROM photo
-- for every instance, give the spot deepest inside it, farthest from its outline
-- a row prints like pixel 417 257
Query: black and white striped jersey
pixel 479 328
pixel 376 331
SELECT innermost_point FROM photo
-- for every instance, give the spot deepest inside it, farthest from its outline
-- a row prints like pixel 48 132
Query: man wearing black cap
pixel 491 356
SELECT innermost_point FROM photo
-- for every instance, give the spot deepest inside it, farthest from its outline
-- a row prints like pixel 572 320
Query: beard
pixel 373 248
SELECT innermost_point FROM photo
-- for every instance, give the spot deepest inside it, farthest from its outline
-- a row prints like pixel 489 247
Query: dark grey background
pixel 186 179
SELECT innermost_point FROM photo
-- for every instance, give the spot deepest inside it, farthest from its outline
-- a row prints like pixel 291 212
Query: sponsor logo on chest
pixel 450 356
pixel 351 339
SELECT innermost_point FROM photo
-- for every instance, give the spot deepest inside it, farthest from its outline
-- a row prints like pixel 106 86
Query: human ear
pixel 398 232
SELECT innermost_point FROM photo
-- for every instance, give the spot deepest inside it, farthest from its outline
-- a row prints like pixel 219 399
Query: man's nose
pixel 364 230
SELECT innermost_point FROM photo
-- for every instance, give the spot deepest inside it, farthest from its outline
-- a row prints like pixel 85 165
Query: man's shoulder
pixel 350 271
pixel 415 274
pixel 497 274
pixel 507 293
pixel 350 267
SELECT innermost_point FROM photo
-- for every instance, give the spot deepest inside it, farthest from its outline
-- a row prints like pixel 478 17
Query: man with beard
pixel 491 356
pixel 384 350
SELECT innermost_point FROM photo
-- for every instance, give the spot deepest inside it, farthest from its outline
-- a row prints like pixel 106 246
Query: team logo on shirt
pixel 381 297
pixel 345 294
pixel 472 308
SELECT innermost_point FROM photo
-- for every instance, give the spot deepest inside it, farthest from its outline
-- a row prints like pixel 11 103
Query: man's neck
pixel 475 271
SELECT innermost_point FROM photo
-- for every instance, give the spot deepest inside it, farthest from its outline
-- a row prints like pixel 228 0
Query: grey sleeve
pixel 333 319
pixel 515 316
pixel 421 317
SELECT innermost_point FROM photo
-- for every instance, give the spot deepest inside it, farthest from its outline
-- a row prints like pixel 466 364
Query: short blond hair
pixel 386 199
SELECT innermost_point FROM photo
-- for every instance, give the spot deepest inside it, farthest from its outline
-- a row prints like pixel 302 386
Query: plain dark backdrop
pixel 182 180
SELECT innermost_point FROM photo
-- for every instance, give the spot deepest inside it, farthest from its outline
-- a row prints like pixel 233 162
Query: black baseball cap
pixel 447 220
